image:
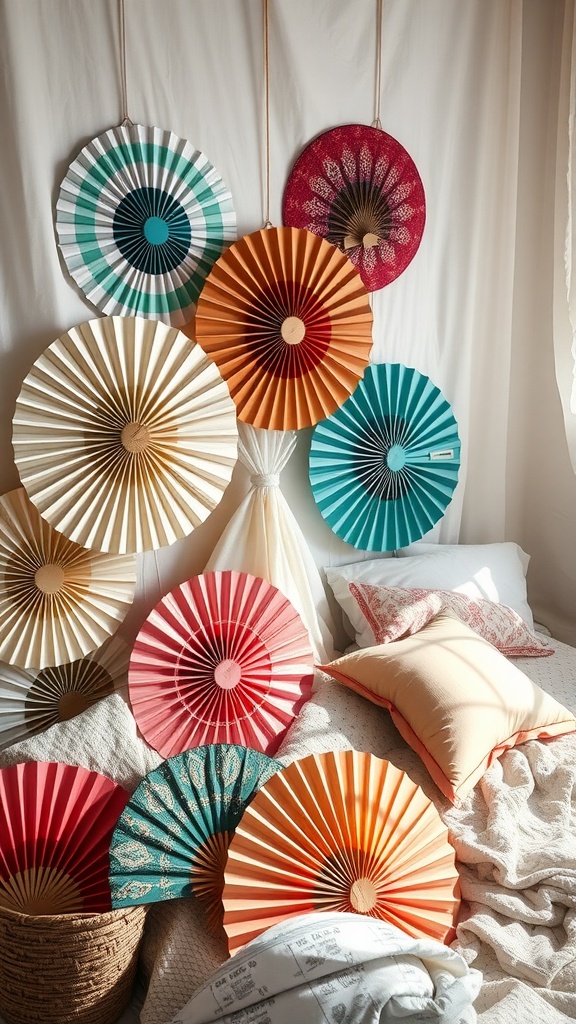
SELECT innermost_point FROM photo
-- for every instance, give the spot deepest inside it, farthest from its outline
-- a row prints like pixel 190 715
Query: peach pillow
pixel 454 698
pixel 389 613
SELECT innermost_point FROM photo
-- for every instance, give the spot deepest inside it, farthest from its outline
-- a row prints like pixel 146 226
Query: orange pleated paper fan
pixel 285 316
pixel 341 831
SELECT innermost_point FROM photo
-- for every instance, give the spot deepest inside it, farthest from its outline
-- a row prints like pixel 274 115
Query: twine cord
pixel 267 222
pixel 376 123
pixel 123 75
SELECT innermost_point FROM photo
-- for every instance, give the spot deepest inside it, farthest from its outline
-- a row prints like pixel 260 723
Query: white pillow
pixel 495 572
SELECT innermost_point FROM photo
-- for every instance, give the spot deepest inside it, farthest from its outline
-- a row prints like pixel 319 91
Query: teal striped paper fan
pixel 172 838
pixel 141 218
pixel 384 466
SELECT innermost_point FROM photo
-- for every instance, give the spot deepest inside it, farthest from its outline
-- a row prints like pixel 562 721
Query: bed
pixel 513 823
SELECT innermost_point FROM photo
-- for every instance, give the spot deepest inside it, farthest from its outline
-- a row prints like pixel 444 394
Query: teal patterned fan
pixel 172 838
pixel 384 466
pixel 141 218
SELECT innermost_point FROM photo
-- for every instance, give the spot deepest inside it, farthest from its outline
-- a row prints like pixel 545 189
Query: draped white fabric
pixel 264 538
pixel 565 319
pixel 472 90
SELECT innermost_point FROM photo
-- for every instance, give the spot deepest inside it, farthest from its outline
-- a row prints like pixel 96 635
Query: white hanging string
pixel 267 221
pixel 123 76
pixel 376 123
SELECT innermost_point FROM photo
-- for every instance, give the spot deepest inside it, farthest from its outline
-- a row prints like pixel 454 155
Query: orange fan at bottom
pixel 341 831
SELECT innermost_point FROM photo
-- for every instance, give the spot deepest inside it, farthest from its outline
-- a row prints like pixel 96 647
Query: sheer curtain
pixel 263 536
pixel 565 248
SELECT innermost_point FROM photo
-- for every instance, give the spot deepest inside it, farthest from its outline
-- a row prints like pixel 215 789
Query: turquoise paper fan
pixel 172 838
pixel 384 466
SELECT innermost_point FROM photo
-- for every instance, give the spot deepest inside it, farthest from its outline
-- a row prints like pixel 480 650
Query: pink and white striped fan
pixel 223 658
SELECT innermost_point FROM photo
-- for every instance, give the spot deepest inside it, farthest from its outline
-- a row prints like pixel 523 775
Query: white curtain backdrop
pixel 472 90
pixel 565 267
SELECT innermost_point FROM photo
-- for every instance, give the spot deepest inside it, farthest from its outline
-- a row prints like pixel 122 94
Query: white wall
pixel 470 89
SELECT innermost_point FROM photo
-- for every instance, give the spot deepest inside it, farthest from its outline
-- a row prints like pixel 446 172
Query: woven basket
pixel 56 969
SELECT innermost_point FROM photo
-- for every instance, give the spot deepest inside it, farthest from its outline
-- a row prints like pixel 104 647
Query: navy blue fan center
pixel 152 230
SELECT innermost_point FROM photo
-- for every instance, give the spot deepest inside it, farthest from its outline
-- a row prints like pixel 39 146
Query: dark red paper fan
pixel 358 187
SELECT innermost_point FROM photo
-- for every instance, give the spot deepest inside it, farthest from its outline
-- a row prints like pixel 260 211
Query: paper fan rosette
pixel 341 831
pixel 173 836
pixel 30 702
pixel 223 658
pixel 358 187
pixel 56 823
pixel 141 217
pixel 58 600
pixel 287 319
pixel 125 434
pixel 384 467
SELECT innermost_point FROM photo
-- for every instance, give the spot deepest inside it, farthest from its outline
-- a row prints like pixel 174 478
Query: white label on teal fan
pixel 446 453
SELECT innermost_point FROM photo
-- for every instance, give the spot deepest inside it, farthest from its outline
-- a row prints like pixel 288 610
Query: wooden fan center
pixel 293 330
pixel 363 895
pixel 42 890
pixel 367 240
pixel 49 578
pixel 227 674
pixel 207 877
pixel 135 437
pixel 71 704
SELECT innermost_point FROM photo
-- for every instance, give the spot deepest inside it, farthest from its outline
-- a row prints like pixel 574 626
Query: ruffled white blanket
pixel 515 839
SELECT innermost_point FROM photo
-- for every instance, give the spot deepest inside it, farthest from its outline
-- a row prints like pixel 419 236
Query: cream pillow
pixel 454 698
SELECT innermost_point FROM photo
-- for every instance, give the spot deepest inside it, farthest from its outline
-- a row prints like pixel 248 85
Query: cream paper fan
pixel 125 434
pixel 32 701
pixel 58 601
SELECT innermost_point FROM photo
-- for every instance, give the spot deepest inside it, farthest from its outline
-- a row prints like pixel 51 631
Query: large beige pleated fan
pixel 58 600
pixel 32 701
pixel 125 434
pixel 286 317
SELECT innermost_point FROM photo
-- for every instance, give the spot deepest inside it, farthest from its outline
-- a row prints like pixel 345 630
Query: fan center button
pixel 135 437
pixel 363 895
pixel 293 330
pixel 49 578
pixel 156 230
pixel 396 458
pixel 227 674
pixel 71 704
pixel 369 240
